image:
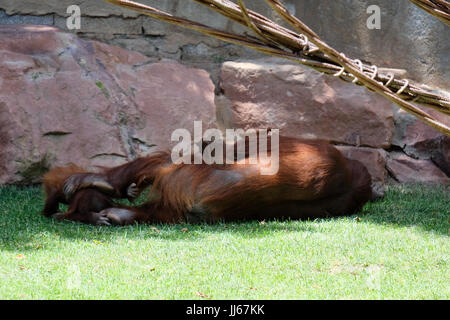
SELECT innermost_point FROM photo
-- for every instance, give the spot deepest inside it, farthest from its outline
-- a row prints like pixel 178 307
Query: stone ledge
pixel 304 103
pixel 408 170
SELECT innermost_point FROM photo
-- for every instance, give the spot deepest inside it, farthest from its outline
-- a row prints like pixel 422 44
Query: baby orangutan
pixel 85 204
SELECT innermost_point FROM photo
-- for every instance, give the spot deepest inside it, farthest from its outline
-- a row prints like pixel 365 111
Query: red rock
pixel 64 99
pixel 422 141
pixel 375 162
pixel 302 102
pixel 408 170
pixel 373 159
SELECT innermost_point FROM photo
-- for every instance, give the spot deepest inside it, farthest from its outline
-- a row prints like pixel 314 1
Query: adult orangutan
pixel 314 180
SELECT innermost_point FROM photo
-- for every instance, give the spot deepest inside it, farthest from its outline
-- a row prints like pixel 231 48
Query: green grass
pixel 397 248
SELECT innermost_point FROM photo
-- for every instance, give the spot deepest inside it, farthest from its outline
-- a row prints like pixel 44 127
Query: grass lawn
pixel 397 248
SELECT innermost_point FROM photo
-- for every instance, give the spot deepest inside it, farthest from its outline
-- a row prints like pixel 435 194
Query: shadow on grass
pixel 22 225
pixel 423 206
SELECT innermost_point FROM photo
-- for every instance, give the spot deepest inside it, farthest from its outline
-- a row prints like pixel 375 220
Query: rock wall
pixel 64 99
pixel 409 38
pixel 67 97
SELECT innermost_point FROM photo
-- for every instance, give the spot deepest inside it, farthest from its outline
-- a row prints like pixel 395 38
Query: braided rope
pixel 438 8
pixel 399 92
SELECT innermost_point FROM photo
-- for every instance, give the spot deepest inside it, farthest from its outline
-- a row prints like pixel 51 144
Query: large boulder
pixel 302 102
pixel 408 170
pixel 64 99
pixel 420 141
pixel 373 159
pixel 375 162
